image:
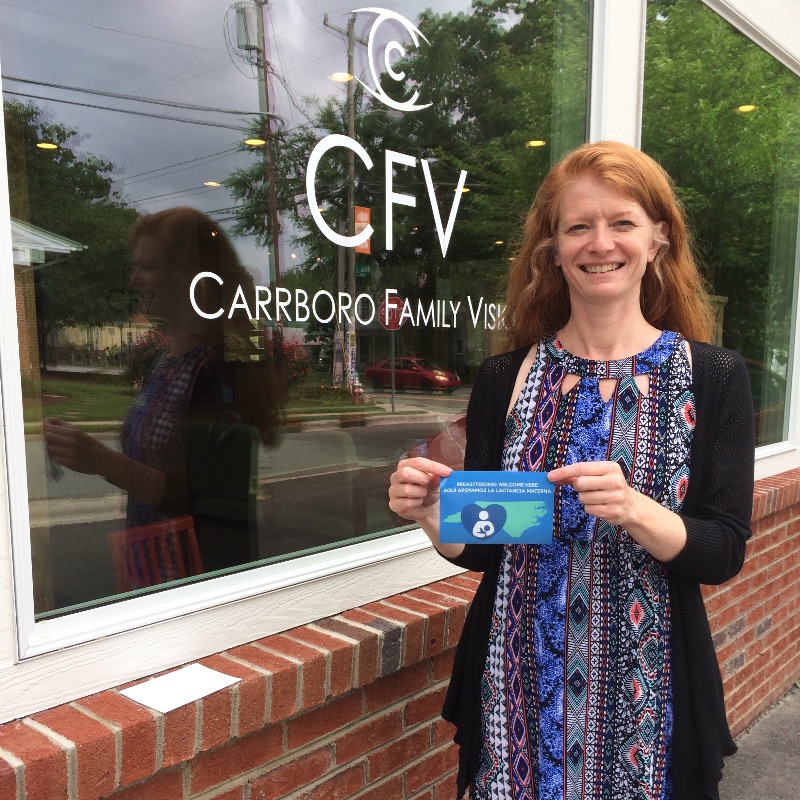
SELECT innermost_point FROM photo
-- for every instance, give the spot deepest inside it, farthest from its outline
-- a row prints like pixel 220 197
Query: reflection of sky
pixel 177 51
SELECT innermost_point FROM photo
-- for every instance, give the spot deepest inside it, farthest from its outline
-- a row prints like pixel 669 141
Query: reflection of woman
pixel 586 668
pixel 205 373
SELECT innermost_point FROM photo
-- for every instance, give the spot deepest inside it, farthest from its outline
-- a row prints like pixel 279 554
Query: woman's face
pixel 164 290
pixel 604 240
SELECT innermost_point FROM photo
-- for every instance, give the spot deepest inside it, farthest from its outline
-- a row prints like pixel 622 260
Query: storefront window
pixel 220 363
pixel 723 117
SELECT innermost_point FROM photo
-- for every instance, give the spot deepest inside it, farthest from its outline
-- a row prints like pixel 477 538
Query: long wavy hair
pixel 192 243
pixel 673 294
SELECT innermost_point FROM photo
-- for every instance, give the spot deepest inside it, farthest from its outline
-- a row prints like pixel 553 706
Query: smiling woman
pixel 621 413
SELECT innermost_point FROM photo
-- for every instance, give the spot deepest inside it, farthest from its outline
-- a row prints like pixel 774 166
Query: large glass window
pixel 723 117
pixel 220 363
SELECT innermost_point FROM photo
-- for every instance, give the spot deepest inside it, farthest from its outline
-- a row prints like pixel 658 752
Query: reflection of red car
pixel 412 373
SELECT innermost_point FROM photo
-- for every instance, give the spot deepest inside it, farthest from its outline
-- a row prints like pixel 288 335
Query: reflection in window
pixel 109 119
pixel 723 117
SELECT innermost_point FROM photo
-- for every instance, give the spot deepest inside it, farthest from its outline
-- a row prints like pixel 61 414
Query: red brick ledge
pixel 295 687
pixel 776 493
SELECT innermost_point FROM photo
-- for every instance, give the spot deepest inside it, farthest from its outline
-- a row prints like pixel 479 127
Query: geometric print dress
pixel 151 432
pixel 576 690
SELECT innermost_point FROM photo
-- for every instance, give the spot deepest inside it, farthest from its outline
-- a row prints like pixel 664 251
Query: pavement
pixel 767 765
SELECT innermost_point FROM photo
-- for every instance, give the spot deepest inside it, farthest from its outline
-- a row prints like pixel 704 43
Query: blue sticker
pixel 496 508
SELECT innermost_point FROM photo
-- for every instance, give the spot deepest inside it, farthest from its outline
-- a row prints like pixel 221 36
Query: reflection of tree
pixel 72 196
pixel 737 173
pixel 490 78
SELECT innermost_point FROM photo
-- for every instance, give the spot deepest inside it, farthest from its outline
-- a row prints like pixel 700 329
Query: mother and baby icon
pixel 484 527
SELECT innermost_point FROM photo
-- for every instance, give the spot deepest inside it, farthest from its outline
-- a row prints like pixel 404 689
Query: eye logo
pixel 391 48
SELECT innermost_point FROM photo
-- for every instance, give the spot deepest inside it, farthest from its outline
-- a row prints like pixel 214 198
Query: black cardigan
pixel 716 512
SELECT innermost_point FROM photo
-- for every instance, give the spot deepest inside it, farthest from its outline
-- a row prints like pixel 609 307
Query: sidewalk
pixel 767 766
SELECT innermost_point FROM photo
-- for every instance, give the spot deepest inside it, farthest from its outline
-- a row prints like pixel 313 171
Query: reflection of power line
pixel 191 190
pixel 171 169
pixel 107 28
pixel 130 111
pixel 134 97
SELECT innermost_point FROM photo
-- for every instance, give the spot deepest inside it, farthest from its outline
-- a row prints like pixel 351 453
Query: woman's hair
pixel 193 243
pixel 673 292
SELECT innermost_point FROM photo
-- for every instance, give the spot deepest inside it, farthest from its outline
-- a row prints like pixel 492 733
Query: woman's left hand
pixel 601 487
pixel 605 493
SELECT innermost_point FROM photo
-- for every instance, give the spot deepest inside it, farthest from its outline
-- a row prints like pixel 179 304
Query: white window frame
pixel 46 663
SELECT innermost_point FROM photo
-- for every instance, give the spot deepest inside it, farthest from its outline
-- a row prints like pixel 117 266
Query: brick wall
pixel 348 707
pixel 755 618
pixel 25 297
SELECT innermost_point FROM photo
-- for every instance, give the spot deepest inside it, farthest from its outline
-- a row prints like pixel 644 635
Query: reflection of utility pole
pixel 338 336
pixel 273 224
pixel 351 350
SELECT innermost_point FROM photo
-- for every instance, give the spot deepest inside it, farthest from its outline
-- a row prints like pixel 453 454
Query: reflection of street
pixel 319 487
pixel 455 403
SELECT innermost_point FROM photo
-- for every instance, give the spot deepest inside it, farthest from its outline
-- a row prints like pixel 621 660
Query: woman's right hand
pixel 414 489
pixel 72 447
pixel 414 495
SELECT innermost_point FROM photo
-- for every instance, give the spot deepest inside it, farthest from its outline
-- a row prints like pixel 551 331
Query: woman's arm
pixel 719 503
pixel 75 449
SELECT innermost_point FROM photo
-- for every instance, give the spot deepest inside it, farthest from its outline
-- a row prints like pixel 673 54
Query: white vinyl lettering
pixel 197 278
pixel 393 197
pixel 322 147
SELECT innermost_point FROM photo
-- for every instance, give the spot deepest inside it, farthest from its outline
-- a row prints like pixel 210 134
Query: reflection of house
pixel 33 248
pixel 95 346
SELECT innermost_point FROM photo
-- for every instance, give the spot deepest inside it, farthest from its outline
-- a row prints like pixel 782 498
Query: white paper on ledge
pixel 178 688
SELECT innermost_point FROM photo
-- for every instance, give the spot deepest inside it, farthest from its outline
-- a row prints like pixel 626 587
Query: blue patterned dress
pixel 151 432
pixel 576 691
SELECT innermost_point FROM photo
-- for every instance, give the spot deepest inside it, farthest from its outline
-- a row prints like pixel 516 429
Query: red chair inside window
pixel 156 553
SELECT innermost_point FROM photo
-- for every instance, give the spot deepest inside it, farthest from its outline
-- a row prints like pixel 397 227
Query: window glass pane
pixel 723 117
pixel 222 377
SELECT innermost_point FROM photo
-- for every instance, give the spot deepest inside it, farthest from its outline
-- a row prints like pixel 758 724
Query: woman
pixel 586 668
pixel 205 374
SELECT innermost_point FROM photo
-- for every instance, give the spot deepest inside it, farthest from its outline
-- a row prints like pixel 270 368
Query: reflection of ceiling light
pixel 213 234
pixel 47 145
pixel 211 183
pixel 536 143
pixel 255 142
pixel 746 109
pixel 341 77
pixel 294 255
pixel 499 241
pixel 464 190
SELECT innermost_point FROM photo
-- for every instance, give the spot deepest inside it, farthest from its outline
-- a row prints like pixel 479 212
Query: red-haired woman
pixel 205 373
pixel 586 668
